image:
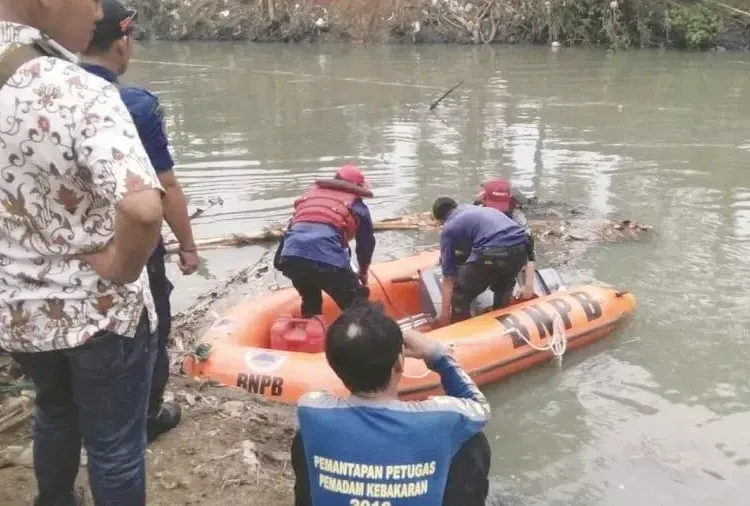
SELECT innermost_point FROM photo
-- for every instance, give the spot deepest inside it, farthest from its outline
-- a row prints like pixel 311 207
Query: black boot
pixel 166 418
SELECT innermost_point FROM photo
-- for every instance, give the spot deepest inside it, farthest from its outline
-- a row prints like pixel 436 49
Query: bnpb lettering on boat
pixel 261 384
pixel 544 321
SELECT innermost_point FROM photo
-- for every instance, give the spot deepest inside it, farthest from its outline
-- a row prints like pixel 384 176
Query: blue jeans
pixel 161 289
pixel 97 392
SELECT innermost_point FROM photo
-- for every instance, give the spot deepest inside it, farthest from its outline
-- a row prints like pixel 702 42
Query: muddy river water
pixel 658 414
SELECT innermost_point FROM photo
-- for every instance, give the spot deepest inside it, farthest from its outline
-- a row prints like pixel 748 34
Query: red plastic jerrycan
pixel 305 335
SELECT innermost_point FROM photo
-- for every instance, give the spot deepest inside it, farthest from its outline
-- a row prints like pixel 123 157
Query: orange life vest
pixel 329 202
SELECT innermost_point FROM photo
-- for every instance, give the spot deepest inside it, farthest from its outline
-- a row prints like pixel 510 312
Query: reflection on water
pixel 653 415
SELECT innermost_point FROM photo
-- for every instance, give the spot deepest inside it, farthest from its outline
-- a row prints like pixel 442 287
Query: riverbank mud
pixel 618 24
pixel 229 449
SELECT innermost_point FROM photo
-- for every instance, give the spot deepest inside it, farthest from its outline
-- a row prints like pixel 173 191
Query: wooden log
pixel 545 230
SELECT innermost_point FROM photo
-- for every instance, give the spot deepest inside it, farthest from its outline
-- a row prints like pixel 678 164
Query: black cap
pixel 116 23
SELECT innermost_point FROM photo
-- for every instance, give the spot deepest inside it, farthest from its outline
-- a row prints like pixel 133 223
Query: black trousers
pixel 497 269
pixel 468 476
pixel 161 290
pixel 310 279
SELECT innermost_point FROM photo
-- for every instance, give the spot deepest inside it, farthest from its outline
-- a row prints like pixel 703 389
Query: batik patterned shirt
pixel 68 153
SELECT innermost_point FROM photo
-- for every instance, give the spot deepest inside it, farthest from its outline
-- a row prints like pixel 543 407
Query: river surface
pixel 657 414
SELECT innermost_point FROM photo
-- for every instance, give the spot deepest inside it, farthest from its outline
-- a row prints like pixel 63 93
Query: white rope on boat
pixel 557 344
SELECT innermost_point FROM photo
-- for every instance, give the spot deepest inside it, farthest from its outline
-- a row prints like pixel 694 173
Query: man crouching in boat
pixel 372 448
pixel 314 252
pixel 497 251
pixel 500 195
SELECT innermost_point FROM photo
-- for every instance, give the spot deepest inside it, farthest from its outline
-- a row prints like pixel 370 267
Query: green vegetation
pixel 693 26
pixel 615 24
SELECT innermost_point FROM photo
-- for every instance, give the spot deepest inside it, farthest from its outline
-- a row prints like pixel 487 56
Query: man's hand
pixel 363 277
pixel 447 296
pixel 176 216
pixel 419 346
pixel 527 292
pixel 188 261
pixel 445 317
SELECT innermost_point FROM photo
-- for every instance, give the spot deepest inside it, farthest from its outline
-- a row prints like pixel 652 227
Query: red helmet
pixel 497 194
pixel 351 174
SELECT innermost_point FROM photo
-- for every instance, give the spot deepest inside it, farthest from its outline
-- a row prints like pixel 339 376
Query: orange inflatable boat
pixel 489 346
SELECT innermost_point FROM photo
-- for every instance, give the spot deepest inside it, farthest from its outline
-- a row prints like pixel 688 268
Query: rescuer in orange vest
pixel 314 253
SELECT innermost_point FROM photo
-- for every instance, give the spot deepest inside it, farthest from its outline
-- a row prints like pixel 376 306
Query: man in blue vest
pixel 497 251
pixel 108 57
pixel 370 447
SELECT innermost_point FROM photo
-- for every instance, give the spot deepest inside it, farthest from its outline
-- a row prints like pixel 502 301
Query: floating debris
pixel 557 228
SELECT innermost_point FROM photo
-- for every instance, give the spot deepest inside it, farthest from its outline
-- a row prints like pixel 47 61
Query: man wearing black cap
pixel 108 56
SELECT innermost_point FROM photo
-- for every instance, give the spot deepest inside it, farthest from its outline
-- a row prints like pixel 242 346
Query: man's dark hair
pixel 362 346
pixel 100 46
pixel 442 206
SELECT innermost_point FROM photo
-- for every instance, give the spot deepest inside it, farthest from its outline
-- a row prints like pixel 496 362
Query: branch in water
pixel 436 102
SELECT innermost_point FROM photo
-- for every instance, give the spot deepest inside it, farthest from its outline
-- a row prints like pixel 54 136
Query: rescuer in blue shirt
pixel 372 448
pixel 500 195
pixel 314 252
pixel 108 57
pixel 497 251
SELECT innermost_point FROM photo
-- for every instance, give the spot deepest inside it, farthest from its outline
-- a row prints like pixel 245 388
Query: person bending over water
pixel 314 252
pixel 495 249
pixel 501 195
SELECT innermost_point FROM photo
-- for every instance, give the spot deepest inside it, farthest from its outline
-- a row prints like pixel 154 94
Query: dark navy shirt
pixel 148 116
pixel 321 243
pixel 392 452
pixel 478 228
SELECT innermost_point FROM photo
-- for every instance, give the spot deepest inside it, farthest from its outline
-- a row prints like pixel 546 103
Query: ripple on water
pixel 635 444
